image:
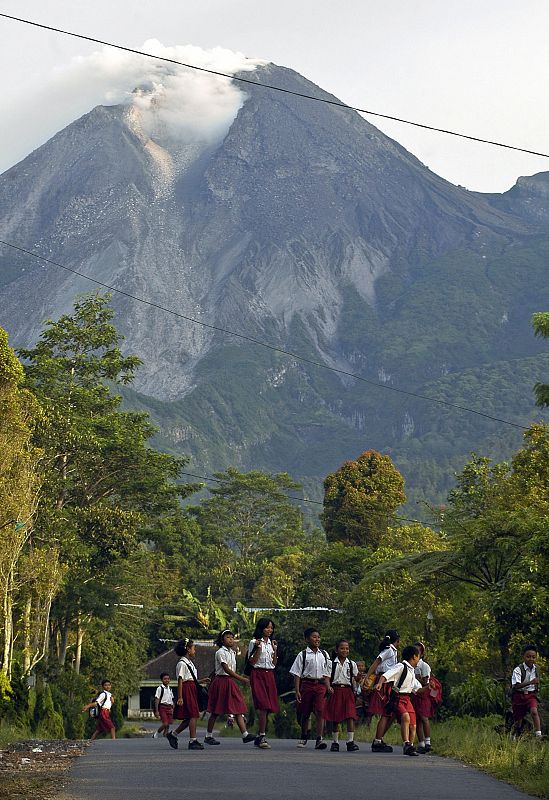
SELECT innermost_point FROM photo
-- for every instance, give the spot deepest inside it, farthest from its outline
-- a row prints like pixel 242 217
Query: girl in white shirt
pixel 262 658
pixel 224 696
pixel 186 708
pixel 387 658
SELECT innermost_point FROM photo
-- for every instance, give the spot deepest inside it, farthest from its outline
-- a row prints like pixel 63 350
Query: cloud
pixel 182 104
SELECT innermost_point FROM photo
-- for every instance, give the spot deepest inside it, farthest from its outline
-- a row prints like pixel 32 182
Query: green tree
pixel 540 323
pixel 104 482
pixel 360 499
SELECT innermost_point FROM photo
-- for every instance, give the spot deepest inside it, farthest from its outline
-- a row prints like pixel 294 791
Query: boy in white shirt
pixel 103 701
pixel 311 670
pixel 525 686
pixel 163 705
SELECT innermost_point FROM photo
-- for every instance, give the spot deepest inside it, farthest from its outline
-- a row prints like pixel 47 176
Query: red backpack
pixel 435 692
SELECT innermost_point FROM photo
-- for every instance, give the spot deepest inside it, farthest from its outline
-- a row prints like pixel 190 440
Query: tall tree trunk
pixel 27 635
pixel 79 637
pixel 64 629
pixel 503 640
pixel 7 610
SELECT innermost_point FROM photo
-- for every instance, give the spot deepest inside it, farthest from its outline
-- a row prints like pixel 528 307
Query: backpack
pixel 95 710
pixel 435 692
pixel 351 676
pixel 161 698
pixel 248 666
pixel 523 678
pixel 304 659
pixel 201 691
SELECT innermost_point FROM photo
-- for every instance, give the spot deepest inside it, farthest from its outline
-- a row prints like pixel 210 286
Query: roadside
pixel 36 768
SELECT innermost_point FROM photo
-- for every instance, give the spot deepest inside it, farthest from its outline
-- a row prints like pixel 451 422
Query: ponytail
pixel 391 637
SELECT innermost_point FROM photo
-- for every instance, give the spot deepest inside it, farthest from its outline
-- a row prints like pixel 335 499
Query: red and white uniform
pixel 164 695
pixel 409 686
pixel 185 670
pixel 377 700
pixel 317 667
pixel 341 705
pixel 525 699
pixel 422 703
pixel 262 679
pixel 224 696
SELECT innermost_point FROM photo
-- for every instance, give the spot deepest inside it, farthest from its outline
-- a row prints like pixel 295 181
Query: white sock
pixel 427 740
pixel 422 743
pixel 350 736
pixel 261 734
pixel 538 733
pixel 335 736
pixel 244 734
pixel 193 739
pixel 377 741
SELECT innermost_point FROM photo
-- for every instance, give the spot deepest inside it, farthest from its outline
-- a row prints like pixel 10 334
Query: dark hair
pixel 261 625
pixel 308 631
pixel 182 646
pixel 163 675
pixel 221 634
pixel 336 647
pixel 409 652
pixel 105 681
pixel 529 647
pixel 391 637
pixel 421 648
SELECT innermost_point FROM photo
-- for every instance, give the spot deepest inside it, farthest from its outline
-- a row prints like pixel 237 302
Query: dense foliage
pixel 104 551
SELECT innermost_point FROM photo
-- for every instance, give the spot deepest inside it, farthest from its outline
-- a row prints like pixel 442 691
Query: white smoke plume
pixel 190 106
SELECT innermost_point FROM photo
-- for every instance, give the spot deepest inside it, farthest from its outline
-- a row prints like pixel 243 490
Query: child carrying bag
pixel 392 702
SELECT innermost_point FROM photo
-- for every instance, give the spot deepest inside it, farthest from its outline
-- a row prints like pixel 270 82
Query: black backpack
pixel 95 710
pixel 304 659
pixel 334 665
pixel 248 666
pixel 392 702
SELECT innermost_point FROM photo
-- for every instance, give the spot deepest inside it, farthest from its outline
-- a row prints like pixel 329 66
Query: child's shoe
pixel 409 750
pixel 302 743
pixel 263 743
pixel 248 738
pixel 381 747
pixel 211 740
pixel 172 740
pixel 352 747
pixel 335 747
pixel 320 744
pixel 196 745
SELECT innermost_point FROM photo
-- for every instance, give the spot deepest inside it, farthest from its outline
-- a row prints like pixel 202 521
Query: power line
pixel 268 346
pixel 251 82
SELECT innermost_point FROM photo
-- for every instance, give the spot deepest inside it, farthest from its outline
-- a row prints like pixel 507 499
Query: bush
pixel 70 693
pixel 479 696
pixel 48 723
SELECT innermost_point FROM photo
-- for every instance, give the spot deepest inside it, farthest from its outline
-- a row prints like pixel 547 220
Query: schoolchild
pixel 163 705
pixel 103 701
pixel 525 687
pixel 262 658
pixel 341 705
pixel 224 696
pixel 422 702
pixel 387 658
pixel 186 709
pixel 405 684
pixel 311 670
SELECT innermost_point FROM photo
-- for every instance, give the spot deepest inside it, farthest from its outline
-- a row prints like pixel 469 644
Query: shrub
pixel 479 696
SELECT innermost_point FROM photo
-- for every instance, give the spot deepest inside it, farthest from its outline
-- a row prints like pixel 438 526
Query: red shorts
pixel 104 722
pixel 312 698
pixel 522 703
pixel 165 712
pixel 263 686
pixel 404 706
pixel 341 705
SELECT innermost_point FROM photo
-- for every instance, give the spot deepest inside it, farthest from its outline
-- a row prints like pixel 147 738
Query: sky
pixel 479 67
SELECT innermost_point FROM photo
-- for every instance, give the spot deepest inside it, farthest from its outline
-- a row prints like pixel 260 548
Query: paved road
pixel 144 769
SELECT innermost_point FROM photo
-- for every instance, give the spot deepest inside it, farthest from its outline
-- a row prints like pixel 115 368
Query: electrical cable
pixel 268 346
pixel 251 82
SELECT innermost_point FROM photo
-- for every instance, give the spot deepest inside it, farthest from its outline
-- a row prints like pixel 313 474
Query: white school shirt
pixel 225 656
pixel 530 675
pixel 266 652
pixel 389 658
pixel 317 666
pixel 342 673
pixel 185 669
pixel 104 699
pixel 164 697
pixel 410 684
pixel 422 669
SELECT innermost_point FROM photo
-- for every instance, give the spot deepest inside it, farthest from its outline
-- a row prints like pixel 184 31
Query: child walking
pixel 341 705
pixel 423 705
pixel 387 658
pixel 163 705
pixel 525 686
pixel 404 684
pixel 262 658
pixel 311 670
pixel 103 701
pixel 224 696
pixel 186 709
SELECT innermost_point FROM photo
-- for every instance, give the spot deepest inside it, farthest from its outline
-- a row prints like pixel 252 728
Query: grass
pixel 10 733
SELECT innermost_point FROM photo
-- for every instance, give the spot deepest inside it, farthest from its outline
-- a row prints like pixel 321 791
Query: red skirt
pixel 423 705
pixel 341 705
pixel 522 703
pixel 165 712
pixel 104 722
pixel 224 697
pixel 189 709
pixel 263 686
pixel 377 700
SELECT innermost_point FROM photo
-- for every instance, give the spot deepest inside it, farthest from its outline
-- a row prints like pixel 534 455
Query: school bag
pixel 161 698
pixel 304 659
pixel 201 691
pixel 248 666
pixel 435 691
pixel 523 678
pixel 95 710
pixel 392 702
pixel 351 676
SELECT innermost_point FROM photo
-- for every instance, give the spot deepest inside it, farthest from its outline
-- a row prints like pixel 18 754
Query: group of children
pixel 325 687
